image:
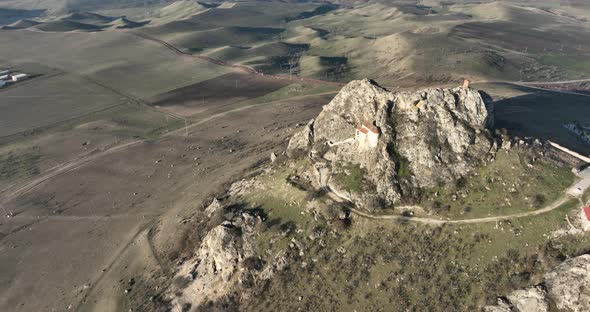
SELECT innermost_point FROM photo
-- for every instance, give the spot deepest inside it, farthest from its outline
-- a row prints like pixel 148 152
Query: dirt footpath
pixel 98 236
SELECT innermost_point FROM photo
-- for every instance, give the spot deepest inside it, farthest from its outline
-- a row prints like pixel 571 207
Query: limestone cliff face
pixel 569 284
pixel 426 137
pixel 225 262
pixel 209 275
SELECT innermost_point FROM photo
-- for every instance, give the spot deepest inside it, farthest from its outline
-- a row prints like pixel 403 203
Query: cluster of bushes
pixel 410 267
pixel 351 178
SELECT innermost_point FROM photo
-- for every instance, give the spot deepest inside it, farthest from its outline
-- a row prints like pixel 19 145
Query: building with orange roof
pixel 585 216
pixel 367 135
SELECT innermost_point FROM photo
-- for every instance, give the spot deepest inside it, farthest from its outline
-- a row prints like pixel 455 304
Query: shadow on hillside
pixel 542 115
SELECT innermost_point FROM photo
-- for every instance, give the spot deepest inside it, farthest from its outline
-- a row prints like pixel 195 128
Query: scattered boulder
pixel 301 141
pixel 321 173
pixel 214 207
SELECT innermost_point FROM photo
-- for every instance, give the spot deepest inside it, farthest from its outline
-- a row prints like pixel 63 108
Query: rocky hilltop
pixel 401 142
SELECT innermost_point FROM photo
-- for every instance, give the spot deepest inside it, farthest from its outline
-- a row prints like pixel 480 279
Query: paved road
pixel 527 85
pixel 579 188
pixel 556 82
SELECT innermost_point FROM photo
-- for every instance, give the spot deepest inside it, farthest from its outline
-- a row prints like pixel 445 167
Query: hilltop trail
pixel 432 221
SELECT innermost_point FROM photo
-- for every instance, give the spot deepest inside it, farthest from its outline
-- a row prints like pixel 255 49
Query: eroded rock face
pixel 301 141
pixel 218 265
pixel 208 275
pixel 225 262
pixel 569 284
pixel 532 299
pixel 425 138
pixel 501 306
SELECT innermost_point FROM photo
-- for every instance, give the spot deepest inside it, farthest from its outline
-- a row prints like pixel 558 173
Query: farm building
pixel 19 77
pixel 2 83
pixel 585 215
pixel 4 72
pixel 5 77
pixel 367 135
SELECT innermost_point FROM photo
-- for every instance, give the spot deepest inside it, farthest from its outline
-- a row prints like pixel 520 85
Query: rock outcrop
pixel 209 275
pixel 567 286
pixel 501 306
pixel 532 299
pixel 225 262
pixel 423 138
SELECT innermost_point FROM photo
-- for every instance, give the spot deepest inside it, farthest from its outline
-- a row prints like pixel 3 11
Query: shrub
pixel 352 182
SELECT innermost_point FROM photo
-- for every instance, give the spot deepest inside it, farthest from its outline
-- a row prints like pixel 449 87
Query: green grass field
pixel 373 264
pixel 511 184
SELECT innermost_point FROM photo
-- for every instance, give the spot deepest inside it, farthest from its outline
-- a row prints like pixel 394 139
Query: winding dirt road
pixel 432 221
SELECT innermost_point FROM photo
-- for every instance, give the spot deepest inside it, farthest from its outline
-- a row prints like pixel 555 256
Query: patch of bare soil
pixel 104 236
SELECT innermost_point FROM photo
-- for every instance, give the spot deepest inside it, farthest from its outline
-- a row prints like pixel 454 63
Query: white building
pixel 19 77
pixel 4 72
pixel 5 77
pixel 585 216
pixel 367 135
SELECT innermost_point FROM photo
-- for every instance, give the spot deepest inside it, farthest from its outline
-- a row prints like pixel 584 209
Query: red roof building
pixel 367 126
pixel 585 216
pixel 367 135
